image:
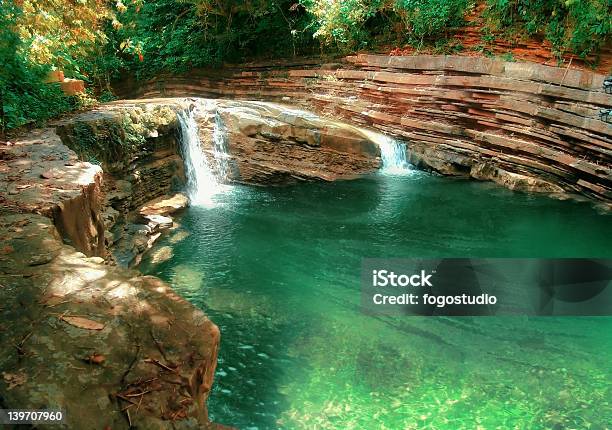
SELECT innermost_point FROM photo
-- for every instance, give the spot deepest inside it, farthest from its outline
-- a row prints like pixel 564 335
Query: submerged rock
pixel 162 254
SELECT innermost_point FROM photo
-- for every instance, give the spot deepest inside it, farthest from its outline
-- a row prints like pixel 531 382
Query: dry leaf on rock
pixel 95 359
pixel 14 379
pixel 84 323
pixel 6 249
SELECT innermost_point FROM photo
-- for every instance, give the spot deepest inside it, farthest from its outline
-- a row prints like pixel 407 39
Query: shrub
pixel 354 24
pixel 578 26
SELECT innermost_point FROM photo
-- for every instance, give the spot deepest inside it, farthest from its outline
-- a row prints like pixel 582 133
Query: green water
pixel 278 270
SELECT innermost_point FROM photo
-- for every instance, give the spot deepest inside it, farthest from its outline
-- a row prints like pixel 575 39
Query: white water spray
pixel 219 149
pixel 393 153
pixel 202 181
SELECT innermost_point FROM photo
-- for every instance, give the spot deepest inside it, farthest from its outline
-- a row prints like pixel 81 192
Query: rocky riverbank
pixel 81 202
pixel 109 346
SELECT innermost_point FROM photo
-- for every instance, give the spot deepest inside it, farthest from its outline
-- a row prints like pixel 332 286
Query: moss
pixel 108 141
pixel 115 140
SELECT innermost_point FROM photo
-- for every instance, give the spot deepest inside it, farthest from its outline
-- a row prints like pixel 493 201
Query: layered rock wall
pixel 133 142
pixel 136 145
pixel 524 125
pixel 271 144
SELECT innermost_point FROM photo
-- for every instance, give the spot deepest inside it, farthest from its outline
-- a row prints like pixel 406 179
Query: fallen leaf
pixel 7 249
pixel 95 359
pixel 14 379
pixel 52 300
pixel 81 322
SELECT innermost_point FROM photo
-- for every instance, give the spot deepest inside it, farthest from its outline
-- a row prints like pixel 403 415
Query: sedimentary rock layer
pixel 136 145
pixel 268 143
pixel 524 125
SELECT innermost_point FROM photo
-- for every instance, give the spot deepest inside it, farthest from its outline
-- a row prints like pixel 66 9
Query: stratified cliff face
pixel 271 144
pixel 136 146
pixel 525 126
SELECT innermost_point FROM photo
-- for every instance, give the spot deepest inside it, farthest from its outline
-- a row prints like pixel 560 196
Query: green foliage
pixel 431 18
pixel 357 24
pixel 175 36
pixel 35 36
pixel 578 26
pixel 99 40
pixel 24 97
pixel 106 96
pixel 31 101
pixel 108 142
pixel 342 23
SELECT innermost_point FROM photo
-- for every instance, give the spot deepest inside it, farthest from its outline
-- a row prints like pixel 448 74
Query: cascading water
pixel 220 152
pixel 393 155
pixel 203 183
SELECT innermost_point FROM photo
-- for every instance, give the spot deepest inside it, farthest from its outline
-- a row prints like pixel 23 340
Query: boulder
pixel 165 205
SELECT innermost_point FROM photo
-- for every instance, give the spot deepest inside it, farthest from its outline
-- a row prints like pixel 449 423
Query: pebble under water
pixel 278 270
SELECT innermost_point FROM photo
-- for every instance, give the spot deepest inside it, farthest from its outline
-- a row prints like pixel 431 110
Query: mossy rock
pixel 114 139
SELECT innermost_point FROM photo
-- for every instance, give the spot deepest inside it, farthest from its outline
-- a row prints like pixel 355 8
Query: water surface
pixel 278 270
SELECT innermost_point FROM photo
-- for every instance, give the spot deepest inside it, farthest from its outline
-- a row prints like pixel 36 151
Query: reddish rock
pixel 526 118
pixel 55 76
pixel 71 87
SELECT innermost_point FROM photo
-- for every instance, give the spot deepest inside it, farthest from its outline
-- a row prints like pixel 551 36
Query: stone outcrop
pixel 268 143
pixel 40 175
pixel 111 347
pixel 136 145
pixel 538 124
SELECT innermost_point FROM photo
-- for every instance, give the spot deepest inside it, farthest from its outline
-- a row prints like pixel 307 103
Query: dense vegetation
pixel 97 40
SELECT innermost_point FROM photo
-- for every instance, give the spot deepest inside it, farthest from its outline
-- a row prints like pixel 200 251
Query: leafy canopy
pixel 99 40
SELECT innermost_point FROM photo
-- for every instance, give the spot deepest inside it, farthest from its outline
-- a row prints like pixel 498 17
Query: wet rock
pixel 270 143
pixel 513 181
pixel 159 222
pixel 165 205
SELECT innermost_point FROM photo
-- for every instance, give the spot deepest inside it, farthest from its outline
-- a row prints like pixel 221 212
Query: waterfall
pixel 203 182
pixel 220 152
pixel 393 155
